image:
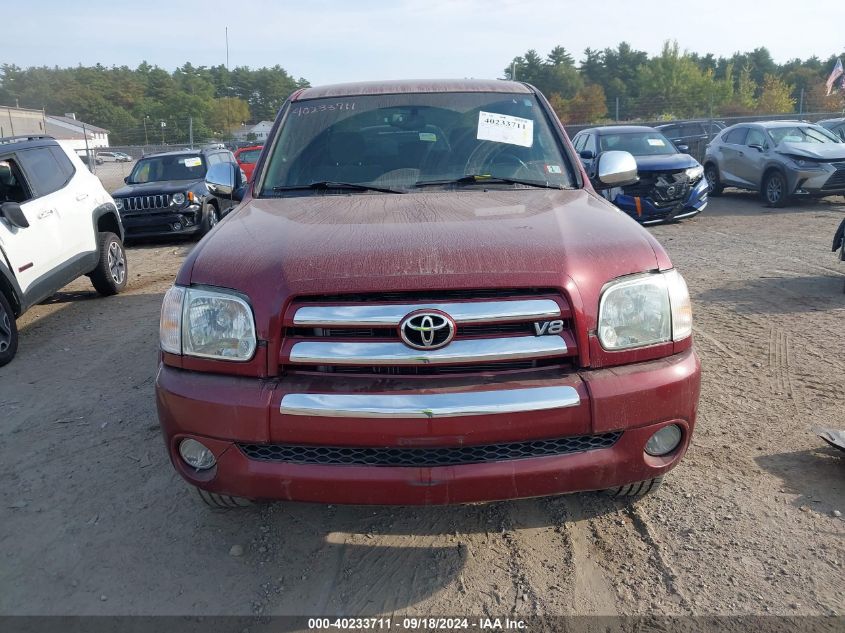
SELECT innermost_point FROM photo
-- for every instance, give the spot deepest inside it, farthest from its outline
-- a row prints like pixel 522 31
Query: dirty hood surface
pixel 271 248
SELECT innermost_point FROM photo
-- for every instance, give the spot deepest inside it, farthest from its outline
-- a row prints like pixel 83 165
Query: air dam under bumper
pixel 232 416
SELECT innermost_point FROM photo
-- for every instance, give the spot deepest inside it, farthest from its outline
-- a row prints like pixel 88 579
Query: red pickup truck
pixel 422 300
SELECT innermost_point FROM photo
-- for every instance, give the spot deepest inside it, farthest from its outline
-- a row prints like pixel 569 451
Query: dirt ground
pixel 93 519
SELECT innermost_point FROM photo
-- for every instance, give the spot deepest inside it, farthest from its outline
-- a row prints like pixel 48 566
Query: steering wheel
pixel 486 156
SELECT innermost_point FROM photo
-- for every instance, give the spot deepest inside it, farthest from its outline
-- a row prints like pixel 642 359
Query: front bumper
pixel 235 417
pixel 158 223
pixel 645 211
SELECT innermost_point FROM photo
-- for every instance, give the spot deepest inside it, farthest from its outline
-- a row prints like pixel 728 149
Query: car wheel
pixel 112 271
pixel 774 190
pixel 637 489
pixel 8 331
pixel 210 218
pixel 222 502
pixel 714 187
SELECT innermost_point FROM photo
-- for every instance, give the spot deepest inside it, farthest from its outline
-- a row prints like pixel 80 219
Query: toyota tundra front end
pixel 422 300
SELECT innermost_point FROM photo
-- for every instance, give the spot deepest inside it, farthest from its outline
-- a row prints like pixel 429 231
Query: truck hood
pixel 818 151
pixel 149 188
pixel 326 244
pixel 665 162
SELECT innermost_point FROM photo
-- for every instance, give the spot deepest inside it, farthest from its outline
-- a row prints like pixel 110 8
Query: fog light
pixel 664 441
pixel 196 455
pixel 177 226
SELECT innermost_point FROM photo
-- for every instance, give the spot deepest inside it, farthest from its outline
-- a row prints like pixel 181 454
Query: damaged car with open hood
pixel 421 299
pixel 782 160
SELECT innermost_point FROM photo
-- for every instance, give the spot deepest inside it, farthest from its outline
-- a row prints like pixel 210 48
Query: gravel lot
pixel 93 519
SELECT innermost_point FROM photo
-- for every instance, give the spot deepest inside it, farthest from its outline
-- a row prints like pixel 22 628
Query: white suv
pixel 57 223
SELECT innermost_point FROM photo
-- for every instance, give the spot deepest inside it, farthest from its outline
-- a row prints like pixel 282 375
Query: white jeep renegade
pixel 57 223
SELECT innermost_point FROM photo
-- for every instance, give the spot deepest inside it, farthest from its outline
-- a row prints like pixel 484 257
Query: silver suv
pixel 780 159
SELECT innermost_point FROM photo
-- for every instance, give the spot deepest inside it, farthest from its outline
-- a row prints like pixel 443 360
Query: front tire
pixel 714 186
pixel 774 189
pixel 112 271
pixel 8 332
pixel 637 489
pixel 210 218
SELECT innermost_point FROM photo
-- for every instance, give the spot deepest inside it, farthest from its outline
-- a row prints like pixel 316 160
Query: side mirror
pixel 684 149
pixel 14 214
pixel 587 154
pixel 616 169
pixel 222 181
pixel 126 179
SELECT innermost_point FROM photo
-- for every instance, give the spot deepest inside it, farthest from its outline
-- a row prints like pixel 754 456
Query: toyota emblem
pixel 427 329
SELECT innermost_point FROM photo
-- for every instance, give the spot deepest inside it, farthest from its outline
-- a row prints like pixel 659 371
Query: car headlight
pixel 694 173
pixel 118 203
pixel 807 165
pixel 178 198
pixel 207 324
pixel 644 310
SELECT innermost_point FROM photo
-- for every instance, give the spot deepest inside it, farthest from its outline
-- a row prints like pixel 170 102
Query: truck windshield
pixel 403 142
pixel 162 168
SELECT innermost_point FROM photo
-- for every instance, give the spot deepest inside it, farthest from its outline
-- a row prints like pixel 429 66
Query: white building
pixel 260 132
pixel 68 128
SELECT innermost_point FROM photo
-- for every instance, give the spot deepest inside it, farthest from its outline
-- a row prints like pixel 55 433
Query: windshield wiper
pixel 331 184
pixel 484 179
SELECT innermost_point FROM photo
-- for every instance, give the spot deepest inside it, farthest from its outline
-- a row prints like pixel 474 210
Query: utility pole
pixel 228 80
pixel 163 125
pixel 617 109
pixel 191 131
pixel 801 103
pixel 513 71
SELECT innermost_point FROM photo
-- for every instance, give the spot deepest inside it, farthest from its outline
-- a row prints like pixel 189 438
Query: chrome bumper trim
pixel 387 315
pixel 463 351
pixel 441 405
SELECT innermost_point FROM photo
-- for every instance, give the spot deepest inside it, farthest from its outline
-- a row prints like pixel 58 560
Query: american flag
pixel 835 74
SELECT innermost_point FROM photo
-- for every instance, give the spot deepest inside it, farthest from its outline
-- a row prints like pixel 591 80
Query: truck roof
pixel 409 86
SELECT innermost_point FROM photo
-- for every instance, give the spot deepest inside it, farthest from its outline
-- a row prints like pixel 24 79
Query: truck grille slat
pixel 492 330
pixel 426 457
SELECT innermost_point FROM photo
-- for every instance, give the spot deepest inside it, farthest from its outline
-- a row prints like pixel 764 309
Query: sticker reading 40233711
pixel 503 128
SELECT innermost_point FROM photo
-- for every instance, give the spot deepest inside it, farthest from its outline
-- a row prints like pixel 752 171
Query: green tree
pixel 775 96
pixel 227 114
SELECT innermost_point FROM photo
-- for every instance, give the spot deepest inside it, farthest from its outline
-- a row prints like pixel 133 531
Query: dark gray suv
pixel 780 159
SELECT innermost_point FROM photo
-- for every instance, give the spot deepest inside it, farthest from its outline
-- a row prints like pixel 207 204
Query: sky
pixel 329 41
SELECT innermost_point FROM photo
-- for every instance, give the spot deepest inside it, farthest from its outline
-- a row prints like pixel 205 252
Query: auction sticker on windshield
pixel 194 161
pixel 503 128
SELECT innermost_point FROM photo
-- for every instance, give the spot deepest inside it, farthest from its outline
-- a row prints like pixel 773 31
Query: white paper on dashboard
pixel 503 128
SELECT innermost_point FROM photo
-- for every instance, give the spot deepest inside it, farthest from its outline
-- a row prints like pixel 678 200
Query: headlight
pixel 694 173
pixel 644 310
pixel 207 324
pixel 118 202
pixel 178 198
pixel 807 165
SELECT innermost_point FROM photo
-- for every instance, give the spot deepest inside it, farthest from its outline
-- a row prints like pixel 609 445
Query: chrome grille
pixel 146 203
pixel 426 457
pixel 361 335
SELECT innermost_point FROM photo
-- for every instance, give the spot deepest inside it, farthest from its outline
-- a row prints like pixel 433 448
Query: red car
pixel 247 157
pixel 423 300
